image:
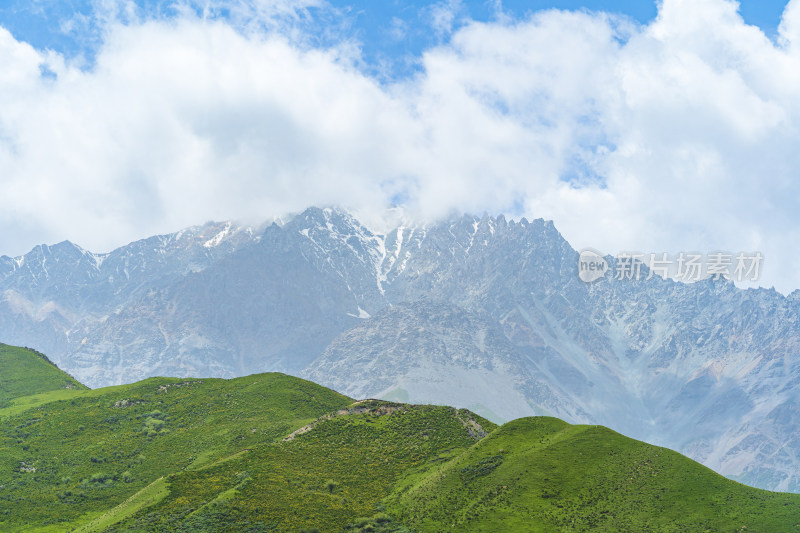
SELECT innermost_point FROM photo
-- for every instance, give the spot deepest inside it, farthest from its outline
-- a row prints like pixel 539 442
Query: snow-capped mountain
pixel 54 296
pixel 483 313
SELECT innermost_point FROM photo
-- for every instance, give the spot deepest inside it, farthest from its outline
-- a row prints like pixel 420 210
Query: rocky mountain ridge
pixel 480 312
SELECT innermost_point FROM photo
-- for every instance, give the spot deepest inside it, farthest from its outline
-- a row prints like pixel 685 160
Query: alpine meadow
pixel 270 452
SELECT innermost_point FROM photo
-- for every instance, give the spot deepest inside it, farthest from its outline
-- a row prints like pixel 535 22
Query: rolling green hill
pixel 271 452
pixel 542 474
pixel 25 372
pixel 66 461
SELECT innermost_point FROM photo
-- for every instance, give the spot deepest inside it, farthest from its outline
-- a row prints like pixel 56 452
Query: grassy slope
pixel 322 480
pixel 541 474
pixel 24 372
pixel 169 454
pixel 93 451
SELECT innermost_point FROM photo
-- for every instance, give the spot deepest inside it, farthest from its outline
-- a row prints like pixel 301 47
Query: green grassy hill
pixel 271 452
pixel 323 479
pixel 65 461
pixel 542 474
pixel 24 372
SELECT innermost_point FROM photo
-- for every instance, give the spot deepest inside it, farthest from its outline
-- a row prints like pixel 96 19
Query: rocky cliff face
pixel 483 313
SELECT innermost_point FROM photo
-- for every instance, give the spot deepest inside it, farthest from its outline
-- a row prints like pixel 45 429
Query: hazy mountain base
pixel 274 453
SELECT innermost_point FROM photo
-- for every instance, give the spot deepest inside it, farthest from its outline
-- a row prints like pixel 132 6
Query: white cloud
pixel 679 135
pixel 442 15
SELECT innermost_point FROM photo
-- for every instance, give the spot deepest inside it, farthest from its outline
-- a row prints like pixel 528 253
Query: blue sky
pixel 673 128
pixel 393 33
